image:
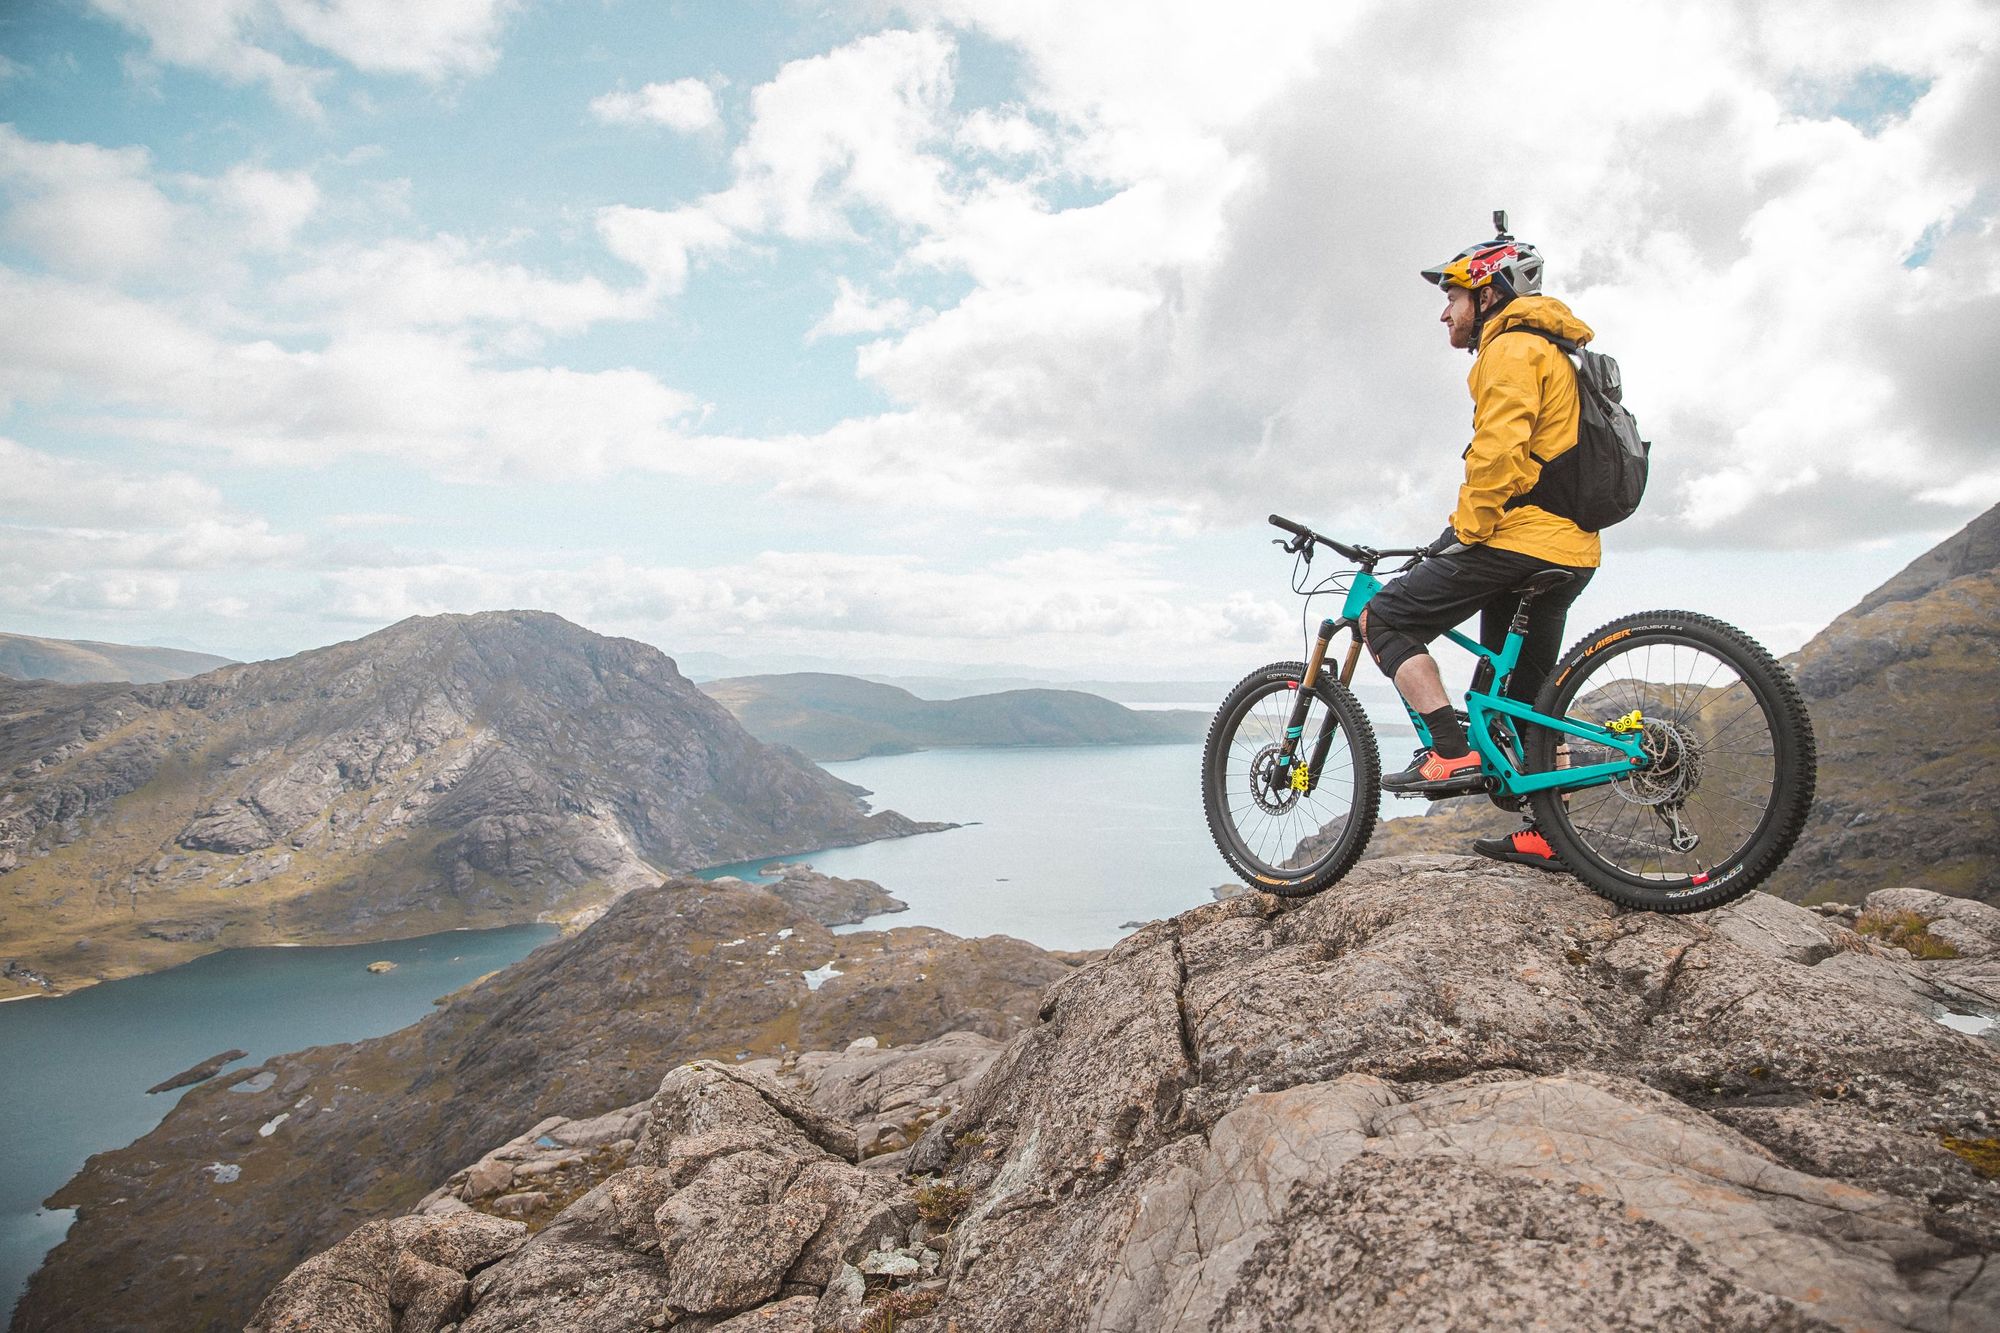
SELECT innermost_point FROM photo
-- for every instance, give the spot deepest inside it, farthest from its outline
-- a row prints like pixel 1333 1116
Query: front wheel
pixel 1731 762
pixel 1290 830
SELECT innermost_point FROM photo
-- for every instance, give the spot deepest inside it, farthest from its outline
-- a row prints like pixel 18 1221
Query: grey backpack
pixel 1601 480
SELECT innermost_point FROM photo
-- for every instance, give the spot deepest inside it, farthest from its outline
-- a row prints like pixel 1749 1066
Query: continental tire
pixel 1281 840
pixel 1731 772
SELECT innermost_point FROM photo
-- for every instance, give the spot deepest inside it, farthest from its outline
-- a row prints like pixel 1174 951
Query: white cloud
pixel 269 206
pixel 686 105
pixel 427 399
pixel 854 311
pixel 1062 606
pixel 845 131
pixel 431 39
pixel 237 40
pixel 107 212
pixel 446 282
pixel 1009 134
pixel 84 208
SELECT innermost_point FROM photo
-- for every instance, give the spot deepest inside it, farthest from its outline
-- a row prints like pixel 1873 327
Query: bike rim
pixel 1287 835
pixel 1692 817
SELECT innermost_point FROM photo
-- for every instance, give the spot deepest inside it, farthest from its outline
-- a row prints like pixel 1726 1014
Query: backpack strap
pixel 1568 345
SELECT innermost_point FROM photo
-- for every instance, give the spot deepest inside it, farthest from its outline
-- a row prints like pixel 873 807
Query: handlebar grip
pixel 1296 529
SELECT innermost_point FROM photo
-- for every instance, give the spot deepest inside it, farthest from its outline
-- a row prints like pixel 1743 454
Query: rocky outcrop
pixel 1905 697
pixel 830 901
pixel 1432 1090
pixel 447 771
pixel 200 1073
pixel 190 1226
pixel 1440 1094
pixel 741 1193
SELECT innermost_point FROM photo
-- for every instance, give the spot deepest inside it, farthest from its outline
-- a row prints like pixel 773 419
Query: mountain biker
pixel 1524 418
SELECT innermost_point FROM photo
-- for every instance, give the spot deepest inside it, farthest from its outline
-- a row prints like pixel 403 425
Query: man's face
pixel 1458 316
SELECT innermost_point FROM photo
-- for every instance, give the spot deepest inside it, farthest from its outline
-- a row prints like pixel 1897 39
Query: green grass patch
pixel 1905 930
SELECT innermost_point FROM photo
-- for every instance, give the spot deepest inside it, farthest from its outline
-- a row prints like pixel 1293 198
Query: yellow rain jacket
pixel 1524 413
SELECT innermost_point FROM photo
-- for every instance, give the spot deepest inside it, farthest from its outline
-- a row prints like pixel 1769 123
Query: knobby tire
pixel 1296 850
pixel 1739 762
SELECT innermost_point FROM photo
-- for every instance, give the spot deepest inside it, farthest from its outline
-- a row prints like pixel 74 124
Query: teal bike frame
pixel 1482 707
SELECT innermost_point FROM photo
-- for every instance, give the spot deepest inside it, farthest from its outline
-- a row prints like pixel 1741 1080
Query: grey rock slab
pixel 594 1269
pixel 729 1236
pixel 792 1315
pixel 1206 1244
pixel 1971 927
pixel 708 1095
pixel 405 1275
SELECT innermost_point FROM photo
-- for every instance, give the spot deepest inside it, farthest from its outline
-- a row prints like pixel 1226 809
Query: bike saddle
pixel 1546 581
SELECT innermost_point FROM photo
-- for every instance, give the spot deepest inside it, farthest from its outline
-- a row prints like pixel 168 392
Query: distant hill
pixel 77 661
pixel 1905 697
pixel 447 771
pixel 1207 693
pixel 832 717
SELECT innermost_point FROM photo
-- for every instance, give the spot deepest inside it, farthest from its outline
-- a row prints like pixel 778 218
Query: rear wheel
pixel 1731 771
pixel 1288 836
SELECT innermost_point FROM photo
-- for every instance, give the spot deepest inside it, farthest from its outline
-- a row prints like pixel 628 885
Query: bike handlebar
pixel 1304 538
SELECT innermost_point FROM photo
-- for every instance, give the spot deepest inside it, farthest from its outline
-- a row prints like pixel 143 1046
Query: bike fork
pixel 1295 725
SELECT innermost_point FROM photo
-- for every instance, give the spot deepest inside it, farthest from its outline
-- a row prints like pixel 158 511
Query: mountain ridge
pixel 833 717
pixel 443 771
pixel 1904 691
pixel 81 661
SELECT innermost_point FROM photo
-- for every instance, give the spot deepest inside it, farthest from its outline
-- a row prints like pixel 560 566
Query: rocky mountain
pixel 187 1228
pixel 76 661
pixel 1905 697
pixel 842 717
pixel 1442 1094
pixel 447 771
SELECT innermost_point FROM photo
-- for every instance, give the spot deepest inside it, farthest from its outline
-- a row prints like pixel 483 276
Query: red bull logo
pixel 1481 266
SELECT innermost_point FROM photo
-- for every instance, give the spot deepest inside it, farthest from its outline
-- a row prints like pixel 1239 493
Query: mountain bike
pixel 1668 759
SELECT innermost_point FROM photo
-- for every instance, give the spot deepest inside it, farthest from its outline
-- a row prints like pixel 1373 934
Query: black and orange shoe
pixel 1429 774
pixel 1524 846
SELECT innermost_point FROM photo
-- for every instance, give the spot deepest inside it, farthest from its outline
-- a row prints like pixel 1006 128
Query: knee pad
pixel 1389 646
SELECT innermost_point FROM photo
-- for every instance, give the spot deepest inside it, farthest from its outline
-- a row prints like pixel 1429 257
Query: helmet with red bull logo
pixel 1515 267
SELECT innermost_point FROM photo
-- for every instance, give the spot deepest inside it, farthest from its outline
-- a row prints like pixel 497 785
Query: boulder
pixel 405 1275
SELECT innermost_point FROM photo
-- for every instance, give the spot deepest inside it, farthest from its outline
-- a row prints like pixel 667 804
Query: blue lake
pixel 76 1069
pixel 1059 846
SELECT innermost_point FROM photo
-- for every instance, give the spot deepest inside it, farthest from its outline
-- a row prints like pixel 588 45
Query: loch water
pixel 74 1071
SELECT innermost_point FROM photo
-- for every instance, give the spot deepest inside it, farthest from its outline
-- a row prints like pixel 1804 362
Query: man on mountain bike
pixel 1524 419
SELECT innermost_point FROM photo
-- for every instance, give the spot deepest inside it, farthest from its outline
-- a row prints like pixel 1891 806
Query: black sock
pixel 1447 734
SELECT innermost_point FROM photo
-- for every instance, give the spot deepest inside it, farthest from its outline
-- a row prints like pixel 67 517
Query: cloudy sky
pixel 942 331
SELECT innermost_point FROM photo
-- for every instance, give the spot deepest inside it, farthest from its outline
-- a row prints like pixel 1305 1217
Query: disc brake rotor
pixel 1270 788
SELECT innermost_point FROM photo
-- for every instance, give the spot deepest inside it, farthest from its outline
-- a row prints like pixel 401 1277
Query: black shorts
pixel 1445 591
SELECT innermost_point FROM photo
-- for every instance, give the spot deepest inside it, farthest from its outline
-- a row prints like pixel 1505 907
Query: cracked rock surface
pixel 1442 1094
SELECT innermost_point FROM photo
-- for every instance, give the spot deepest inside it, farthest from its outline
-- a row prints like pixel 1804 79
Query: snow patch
pixel 819 976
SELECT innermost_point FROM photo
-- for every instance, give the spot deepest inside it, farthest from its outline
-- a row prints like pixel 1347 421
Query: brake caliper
pixel 1627 724
pixel 1301 779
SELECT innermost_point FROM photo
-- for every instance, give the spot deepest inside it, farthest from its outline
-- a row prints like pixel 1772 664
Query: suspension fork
pixel 1295 725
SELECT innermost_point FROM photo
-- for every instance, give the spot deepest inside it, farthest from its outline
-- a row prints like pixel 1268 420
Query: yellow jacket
pixel 1524 413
